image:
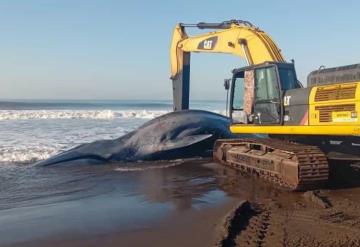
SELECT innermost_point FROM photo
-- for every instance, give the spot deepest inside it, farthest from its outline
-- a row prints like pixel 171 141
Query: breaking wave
pixel 25 155
pixel 78 114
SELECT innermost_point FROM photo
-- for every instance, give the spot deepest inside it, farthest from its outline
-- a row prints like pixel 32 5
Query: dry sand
pixel 327 217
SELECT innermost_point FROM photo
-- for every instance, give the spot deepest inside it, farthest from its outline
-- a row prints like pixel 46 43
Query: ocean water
pixel 32 130
pixel 82 201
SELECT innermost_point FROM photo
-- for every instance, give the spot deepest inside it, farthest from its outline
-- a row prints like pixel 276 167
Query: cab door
pixel 267 101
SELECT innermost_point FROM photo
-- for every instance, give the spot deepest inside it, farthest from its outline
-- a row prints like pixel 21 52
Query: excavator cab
pixel 257 93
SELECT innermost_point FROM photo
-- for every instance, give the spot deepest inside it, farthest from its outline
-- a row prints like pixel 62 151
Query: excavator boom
pixel 239 38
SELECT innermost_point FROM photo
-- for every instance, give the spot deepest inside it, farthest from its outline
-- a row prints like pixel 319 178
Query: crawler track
pixel 290 165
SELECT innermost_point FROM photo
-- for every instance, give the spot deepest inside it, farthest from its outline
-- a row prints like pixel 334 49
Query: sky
pixel 107 49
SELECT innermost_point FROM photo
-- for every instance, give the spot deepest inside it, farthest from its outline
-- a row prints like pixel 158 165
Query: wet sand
pixel 126 205
pixel 188 228
pixel 190 204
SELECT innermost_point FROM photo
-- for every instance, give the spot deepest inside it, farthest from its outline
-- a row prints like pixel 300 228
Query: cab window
pixel 238 93
pixel 266 84
pixel 288 79
pixel 267 96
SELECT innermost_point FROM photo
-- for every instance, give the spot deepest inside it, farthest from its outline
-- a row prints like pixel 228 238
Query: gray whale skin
pixel 175 135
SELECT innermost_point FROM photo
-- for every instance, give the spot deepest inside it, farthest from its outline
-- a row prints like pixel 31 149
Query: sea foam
pixel 78 114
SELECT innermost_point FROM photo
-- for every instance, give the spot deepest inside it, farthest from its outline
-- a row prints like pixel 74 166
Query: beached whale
pixel 175 135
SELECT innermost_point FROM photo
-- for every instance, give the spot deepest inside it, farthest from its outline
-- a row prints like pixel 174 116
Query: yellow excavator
pixel 305 127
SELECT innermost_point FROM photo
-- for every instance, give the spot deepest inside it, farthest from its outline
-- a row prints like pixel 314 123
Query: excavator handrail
pixel 219 25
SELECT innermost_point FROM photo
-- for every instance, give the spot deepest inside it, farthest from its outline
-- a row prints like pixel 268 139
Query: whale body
pixel 176 135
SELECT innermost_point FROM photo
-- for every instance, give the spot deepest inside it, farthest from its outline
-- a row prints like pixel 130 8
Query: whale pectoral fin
pixel 184 141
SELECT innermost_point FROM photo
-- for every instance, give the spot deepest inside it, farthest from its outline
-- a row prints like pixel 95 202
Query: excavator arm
pixel 235 37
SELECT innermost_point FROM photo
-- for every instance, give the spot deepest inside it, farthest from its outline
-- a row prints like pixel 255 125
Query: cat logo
pixel 208 44
pixel 287 100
